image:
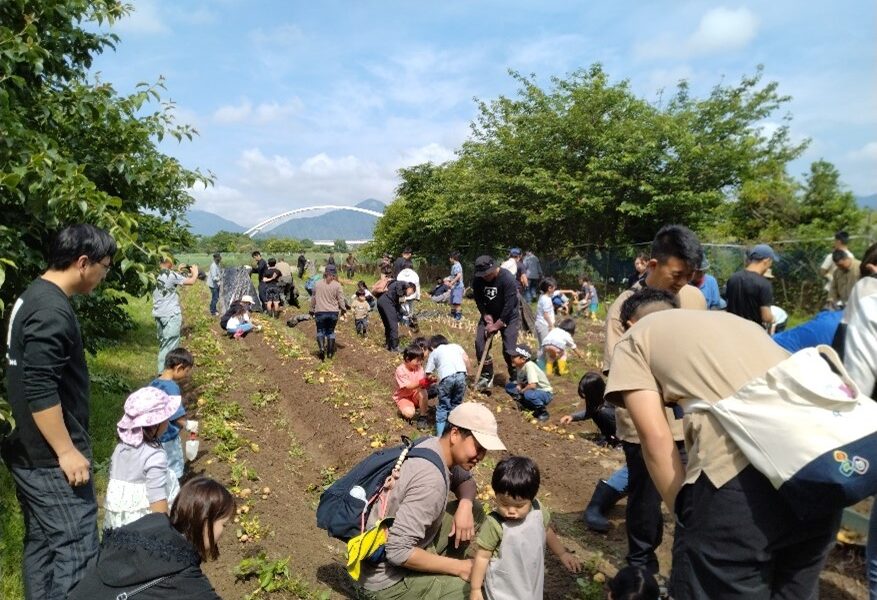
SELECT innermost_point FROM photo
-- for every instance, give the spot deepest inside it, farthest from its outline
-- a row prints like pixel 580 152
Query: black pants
pixel 509 340
pixel 390 319
pixel 301 271
pixel 645 523
pixel 743 541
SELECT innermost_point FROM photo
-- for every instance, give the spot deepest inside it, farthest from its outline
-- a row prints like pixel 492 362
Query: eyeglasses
pixel 106 265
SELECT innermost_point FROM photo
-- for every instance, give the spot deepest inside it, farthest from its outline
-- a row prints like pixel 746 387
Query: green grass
pixel 115 372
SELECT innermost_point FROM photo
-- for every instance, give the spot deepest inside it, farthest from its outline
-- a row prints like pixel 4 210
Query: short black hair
pixel 643 297
pixel 592 388
pixel 455 255
pixel 869 258
pixel 407 250
pixel 843 237
pixel 516 476
pixel 839 255
pixel 411 352
pixel 634 583
pixel 436 341
pixel 361 284
pixel 272 262
pixel 546 283
pixel 360 293
pixel 217 255
pixel 568 325
pixel 677 241
pixel 80 240
pixel 256 253
pixel 178 357
pixel 421 342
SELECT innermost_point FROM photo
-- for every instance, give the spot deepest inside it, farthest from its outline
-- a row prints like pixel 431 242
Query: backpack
pixel 344 516
pixel 228 314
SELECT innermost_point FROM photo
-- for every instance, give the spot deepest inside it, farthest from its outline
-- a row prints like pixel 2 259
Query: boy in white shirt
pixel 448 364
pixel 552 354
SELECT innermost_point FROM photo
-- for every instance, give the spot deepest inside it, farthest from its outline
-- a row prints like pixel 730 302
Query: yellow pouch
pixel 366 545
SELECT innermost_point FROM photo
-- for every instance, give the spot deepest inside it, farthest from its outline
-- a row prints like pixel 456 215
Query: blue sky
pixel 302 103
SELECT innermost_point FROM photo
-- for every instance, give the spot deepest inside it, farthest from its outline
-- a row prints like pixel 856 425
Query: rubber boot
pixel 604 498
pixel 562 367
pixel 330 347
pixel 549 367
pixel 321 345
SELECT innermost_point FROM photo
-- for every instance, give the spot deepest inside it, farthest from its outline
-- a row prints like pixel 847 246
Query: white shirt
pixel 411 277
pixel 545 305
pixel 559 338
pixel 446 360
pixel 510 265
pixel 860 348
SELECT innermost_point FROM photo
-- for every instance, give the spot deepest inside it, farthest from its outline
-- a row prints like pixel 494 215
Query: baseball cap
pixel 483 264
pixel 514 251
pixel 247 298
pixel 523 351
pixel 478 419
pixel 331 270
pixel 762 251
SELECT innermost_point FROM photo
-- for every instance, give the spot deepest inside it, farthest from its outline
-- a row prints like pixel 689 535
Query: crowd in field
pixel 754 437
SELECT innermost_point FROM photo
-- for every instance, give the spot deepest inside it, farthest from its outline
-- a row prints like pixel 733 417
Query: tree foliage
pixel 73 150
pixel 588 162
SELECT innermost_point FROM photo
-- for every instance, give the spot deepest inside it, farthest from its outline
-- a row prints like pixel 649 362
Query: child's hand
pixel 476 594
pixel 566 419
pixel 571 562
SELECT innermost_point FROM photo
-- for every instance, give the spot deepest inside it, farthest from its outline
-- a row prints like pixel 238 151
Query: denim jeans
pixel 531 399
pixel 214 299
pixel 871 553
pixel 451 390
pixel 174 450
pixel 326 322
pixel 60 524
pixel 618 480
pixel 245 327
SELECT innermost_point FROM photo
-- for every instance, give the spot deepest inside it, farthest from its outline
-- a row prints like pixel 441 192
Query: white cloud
pixel 433 152
pixel 143 19
pixel 720 30
pixel 867 153
pixel 551 52
pixel 262 114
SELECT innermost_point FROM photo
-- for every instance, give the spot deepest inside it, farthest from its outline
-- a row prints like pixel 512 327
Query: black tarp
pixel 236 282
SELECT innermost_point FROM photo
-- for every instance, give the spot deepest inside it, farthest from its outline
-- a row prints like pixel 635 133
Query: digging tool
pixel 483 358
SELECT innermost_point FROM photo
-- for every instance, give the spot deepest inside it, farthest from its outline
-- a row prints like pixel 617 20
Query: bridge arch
pixel 277 219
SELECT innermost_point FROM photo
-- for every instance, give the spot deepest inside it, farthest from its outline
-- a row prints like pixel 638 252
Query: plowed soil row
pixel 321 418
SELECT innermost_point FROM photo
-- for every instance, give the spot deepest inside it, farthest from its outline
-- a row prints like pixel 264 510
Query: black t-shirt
pixel 746 293
pixel 302 261
pixel 46 367
pixel 497 298
pixel 273 275
pixel 261 267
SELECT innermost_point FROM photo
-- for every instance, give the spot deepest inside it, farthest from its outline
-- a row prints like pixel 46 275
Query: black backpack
pixel 228 314
pixel 340 514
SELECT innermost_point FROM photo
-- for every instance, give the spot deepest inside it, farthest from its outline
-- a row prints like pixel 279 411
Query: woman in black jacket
pixel 158 556
pixel 390 309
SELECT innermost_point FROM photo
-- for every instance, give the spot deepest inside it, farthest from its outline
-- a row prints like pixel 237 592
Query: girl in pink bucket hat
pixel 140 481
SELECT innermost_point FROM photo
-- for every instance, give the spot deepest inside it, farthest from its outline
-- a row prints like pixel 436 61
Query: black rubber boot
pixel 604 498
pixel 321 345
pixel 330 347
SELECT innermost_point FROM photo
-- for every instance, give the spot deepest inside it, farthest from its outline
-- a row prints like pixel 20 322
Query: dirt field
pixel 281 419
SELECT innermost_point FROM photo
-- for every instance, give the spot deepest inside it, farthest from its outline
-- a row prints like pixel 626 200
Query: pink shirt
pixel 405 377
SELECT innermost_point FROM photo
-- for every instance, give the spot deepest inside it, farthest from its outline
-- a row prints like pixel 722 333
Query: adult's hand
pixel 465 572
pixel 75 467
pixel 463 525
pixel 494 327
pixel 488 320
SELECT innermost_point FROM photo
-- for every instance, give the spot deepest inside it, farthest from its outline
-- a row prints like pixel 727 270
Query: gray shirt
pixel 532 267
pixel 165 299
pixel 446 360
pixel 214 275
pixel 418 501
pixel 141 464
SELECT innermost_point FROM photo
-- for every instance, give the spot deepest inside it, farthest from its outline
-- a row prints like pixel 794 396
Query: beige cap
pixel 478 419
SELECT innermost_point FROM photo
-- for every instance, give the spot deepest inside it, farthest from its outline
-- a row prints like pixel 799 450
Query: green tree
pixel 339 246
pixel 73 150
pixel 282 245
pixel 825 206
pixel 588 162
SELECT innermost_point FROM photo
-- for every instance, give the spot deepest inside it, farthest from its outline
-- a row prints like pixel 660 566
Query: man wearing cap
pixel 749 293
pixel 496 296
pixel 708 286
pixel 166 307
pixel 426 543
pixel 514 265
pixel 49 451
pixel 214 278
pixel 402 262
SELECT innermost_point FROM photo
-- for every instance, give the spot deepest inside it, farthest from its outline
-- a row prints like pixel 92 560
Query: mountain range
pixel 333 225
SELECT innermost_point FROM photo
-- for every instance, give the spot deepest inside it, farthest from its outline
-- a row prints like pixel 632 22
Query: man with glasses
pixel 49 451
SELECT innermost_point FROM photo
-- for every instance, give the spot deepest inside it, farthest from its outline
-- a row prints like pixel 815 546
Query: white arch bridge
pixel 284 216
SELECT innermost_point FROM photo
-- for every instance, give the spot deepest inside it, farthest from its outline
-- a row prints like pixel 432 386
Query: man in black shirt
pixel 496 295
pixel 403 262
pixel 259 268
pixel 49 451
pixel 749 293
pixel 302 263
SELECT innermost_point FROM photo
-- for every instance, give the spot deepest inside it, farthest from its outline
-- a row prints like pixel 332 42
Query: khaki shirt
pixel 689 297
pixel 688 355
pixel 843 282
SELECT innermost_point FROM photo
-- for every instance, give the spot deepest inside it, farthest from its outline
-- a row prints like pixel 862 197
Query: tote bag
pixel 808 429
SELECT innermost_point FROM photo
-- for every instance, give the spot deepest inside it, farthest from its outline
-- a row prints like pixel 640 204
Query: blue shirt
pixel 710 289
pixel 170 387
pixel 457 268
pixel 818 330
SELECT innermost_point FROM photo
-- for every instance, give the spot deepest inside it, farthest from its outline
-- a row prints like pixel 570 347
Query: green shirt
pixel 531 373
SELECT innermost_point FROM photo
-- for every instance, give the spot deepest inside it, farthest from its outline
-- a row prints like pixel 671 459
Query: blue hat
pixel 762 251
pixel 514 251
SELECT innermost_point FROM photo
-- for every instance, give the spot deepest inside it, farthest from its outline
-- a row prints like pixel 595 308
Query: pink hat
pixel 146 407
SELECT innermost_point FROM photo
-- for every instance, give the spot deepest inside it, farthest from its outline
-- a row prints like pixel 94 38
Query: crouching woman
pixel 158 556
